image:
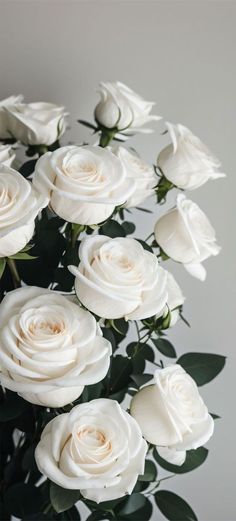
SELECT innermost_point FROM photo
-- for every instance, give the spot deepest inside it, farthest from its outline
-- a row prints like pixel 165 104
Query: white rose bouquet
pixel 95 403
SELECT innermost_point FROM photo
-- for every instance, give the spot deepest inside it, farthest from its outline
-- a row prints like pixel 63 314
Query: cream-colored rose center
pixel 46 328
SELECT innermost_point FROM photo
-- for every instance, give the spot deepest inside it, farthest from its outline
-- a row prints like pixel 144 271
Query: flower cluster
pixel 68 300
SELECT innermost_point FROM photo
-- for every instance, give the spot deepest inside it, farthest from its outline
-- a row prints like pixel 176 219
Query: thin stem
pixel 14 273
pixel 149 237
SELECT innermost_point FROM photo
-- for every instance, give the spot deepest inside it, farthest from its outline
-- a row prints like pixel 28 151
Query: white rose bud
pixel 117 278
pixel 122 108
pixel 4 127
pixel 7 155
pixel 97 448
pixel 50 348
pixel 141 173
pixel 187 162
pixel 172 414
pixel 175 299
pixel 84 183
pixel 20 204
pixel 186 235
pixel 36 123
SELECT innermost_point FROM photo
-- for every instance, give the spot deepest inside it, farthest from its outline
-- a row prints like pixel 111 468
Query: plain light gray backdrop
pixel 180 54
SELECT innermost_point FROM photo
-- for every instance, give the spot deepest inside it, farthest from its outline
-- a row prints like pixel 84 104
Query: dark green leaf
pixel 203 367
pixel 63 499
pixel 121 368
pixel 28 168
pixel 165 347
pixel 140 352
pixel 23 499
pixel 129 227
pixel 141 379
pixel 112 229
pixel 145 245
pixel 215 416
pixel 108 334
pixel 22 256
pixel 142 514
pixel 150 472
pixel 173 507
pixel 132 504
pixel 194 459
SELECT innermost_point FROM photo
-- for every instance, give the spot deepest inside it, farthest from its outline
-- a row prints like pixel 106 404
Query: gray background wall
pixel 182 55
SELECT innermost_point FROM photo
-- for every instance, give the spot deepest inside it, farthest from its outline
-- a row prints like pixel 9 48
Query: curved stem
pixel 14 272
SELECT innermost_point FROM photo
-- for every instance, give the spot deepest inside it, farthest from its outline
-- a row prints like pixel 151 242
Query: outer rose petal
pixel 16 240
pixel 173 456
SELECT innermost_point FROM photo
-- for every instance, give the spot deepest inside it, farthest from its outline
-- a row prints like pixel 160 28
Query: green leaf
pixel 129 227
pixel 62 499
pixel 121 368
pixel 2 266
pixel 23 499
pixel 141 379
pixel 165 347
pixel 145 245
pixel 140 353
pixel 112 229
pixel 22 256
pixel 173 507
pixel 108 334
pixel 203 367
pixel 12 406
pixel 132 504
pixel 28 168
pixel 215 416
pixel 194 458
pixel 142 514
pixel 150 472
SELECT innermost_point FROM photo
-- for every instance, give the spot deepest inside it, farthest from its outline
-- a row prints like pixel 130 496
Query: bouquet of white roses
pixel 87 416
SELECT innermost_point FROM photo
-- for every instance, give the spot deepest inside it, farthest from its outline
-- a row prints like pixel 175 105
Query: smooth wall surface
pixel 180 54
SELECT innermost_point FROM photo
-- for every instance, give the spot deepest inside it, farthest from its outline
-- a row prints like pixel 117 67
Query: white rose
pixel 186 235
pixel 141 173
pixel 175 298
pixel 118 278
pixel 20 203
pixel 187 162
pixel 36 123
pixel 7 155
pixel 84 183
pixel 12 100
pixel 50 348
pixel 172 414
pixel 122 108
pixel 97 448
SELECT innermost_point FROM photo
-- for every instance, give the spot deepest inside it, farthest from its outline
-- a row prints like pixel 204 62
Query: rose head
pixel 117 278
pixel 186 235
pixel 187 162
pixel 7 155
pixel 84 183
pixel 97 448
pixel 20 203
pixel 172 414
pixel 4 126
pixel 121 108
pixel 50 348
pixel 36 123
pixel 141 173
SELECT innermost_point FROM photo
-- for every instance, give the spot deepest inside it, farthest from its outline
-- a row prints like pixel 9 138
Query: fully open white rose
pixel 50 348
pixel 172 414
pixel 97 448
pixel 186 235
pixel 187 162
pixel 84 183
pixel 7 155
pixel 122 108
pixel 36 123
pixel 20 203
pixel 118 278
pixel 141 173
pixel 4 128
pixel 175 298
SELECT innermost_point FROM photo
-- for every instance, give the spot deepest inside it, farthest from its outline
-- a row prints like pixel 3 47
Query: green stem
pixel 106 137
pixel 14 273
